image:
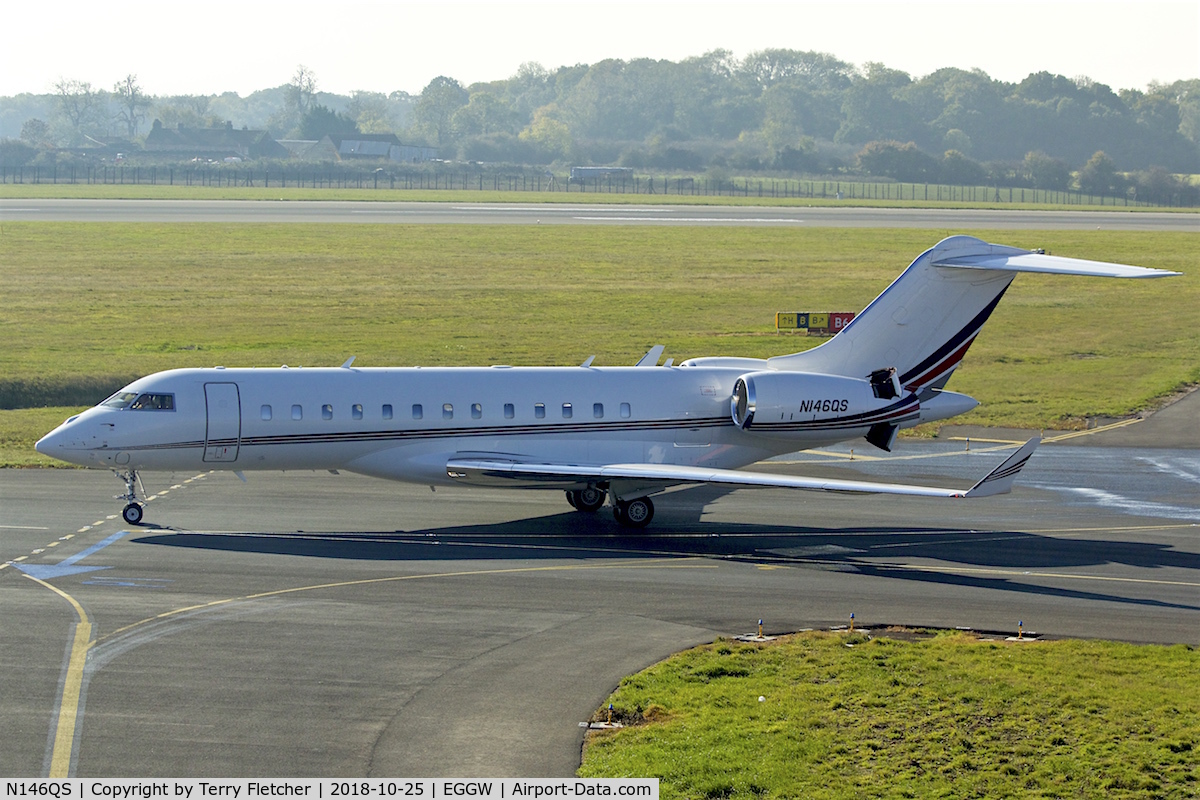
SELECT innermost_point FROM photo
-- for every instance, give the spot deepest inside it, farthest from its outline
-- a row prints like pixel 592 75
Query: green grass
pixel 88 306
pixel 944 717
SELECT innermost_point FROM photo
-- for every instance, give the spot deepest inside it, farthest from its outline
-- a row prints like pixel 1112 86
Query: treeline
pixel 777 111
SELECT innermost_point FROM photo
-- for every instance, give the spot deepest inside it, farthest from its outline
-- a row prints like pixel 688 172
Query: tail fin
pixel 925 321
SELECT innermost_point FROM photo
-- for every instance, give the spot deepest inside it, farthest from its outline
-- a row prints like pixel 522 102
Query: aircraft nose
pixel 52 443
pixel 63 443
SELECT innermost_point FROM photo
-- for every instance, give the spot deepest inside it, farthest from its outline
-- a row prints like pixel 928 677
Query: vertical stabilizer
pixel 922 324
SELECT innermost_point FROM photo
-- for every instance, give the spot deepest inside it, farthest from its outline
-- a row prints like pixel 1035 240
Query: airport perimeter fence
pixel 450 180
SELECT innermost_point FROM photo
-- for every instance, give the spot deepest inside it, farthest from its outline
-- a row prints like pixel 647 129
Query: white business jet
pixel 601 434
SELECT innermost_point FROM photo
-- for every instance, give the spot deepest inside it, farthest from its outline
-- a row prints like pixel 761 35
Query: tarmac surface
pixel 306 624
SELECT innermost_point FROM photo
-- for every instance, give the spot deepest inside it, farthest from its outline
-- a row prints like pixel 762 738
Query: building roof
pixel 213 142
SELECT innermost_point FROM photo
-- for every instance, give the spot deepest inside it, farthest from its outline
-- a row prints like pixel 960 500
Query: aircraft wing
pixel 499 472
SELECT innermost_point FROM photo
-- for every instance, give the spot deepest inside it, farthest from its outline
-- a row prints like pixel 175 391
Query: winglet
pixel 1000 480
pixel 349 361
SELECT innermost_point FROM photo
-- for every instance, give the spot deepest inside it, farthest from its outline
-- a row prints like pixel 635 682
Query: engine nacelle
pixel 804 404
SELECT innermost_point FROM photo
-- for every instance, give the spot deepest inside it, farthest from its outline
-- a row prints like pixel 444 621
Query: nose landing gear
pixel 133 511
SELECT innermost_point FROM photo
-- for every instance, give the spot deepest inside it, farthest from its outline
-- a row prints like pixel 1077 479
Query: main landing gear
pixel 133 511
pixel 589 499
pixel 635 513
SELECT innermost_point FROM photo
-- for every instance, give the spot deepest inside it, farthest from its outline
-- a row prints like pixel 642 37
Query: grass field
pixel 948 716
pixel 89 306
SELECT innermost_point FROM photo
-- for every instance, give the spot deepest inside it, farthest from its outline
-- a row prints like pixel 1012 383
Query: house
pixel 378 146
pixel 215 143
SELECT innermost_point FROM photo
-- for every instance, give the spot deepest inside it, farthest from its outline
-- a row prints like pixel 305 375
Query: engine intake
pixel 804 403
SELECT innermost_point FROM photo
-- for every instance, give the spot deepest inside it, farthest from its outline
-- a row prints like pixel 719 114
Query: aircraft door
pixel 224 431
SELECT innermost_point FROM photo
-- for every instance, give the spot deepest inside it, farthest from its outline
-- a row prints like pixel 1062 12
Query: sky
pixel 220 46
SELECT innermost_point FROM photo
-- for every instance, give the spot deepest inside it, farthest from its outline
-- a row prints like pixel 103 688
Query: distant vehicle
pixel 615 434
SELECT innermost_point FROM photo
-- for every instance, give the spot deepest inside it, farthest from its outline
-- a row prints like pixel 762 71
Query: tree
pixel 1099 175
pixel 15 153
pixel 298 97
pixel 35 133
pixel 188 110
pixel 369 110
pixel 811 69
pixel 81 108
pixel 484 113
pixel 549 133
pixel 903 162
pixel 301 90
pixel 875 109
pixel 1156 185
pixel 1045 172
pixel 129 96
pixel 436 106
pixel 958 169
pixel 320 122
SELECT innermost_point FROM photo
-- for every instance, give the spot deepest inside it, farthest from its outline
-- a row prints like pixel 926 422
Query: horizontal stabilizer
pixel 1024 261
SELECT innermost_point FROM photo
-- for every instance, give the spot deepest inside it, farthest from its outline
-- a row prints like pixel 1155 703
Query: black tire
pixel 573 498
pixel 634 514
pixel 589 499
pixel 132 514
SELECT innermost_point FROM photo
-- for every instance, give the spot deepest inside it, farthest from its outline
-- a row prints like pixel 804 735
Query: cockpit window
pixel 120 400
pixel 141 402
pixel 154 402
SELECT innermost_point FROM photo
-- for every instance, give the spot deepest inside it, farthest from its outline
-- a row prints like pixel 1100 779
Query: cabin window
pixel 387 410
pixel 598 410
pixel 266 413
pixel 447 411
pixel 327 411
pixel 625 411
pixel 568 411
pixel 539 410
pixel 356 411
pixel 476 411
pixel 510 411
pixel 418 412
pixel 297 412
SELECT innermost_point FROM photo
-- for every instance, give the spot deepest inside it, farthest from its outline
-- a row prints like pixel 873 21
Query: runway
pixel 316 625
pixel 233 211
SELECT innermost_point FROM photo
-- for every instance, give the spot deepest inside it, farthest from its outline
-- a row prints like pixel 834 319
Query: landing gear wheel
pixel 589 499
pixel 133 514
pixel 634 514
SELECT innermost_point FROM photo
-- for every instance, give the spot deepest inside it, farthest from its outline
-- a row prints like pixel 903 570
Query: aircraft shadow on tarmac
pixel 679 532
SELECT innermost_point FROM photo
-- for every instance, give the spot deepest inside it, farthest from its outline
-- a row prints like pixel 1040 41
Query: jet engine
pixel 805 405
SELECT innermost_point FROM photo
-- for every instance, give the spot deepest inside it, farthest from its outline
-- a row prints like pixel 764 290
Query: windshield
pixel 141 402
pixel 121 399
